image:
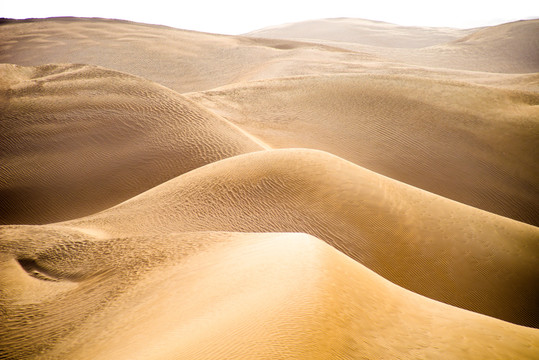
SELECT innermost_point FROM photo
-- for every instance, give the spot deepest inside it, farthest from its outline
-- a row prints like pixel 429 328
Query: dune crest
pixel 428 244
pixel 78 139
pixel 473 144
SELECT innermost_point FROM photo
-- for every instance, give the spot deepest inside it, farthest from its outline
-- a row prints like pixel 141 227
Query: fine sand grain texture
pixel 220 296
pixel 331 189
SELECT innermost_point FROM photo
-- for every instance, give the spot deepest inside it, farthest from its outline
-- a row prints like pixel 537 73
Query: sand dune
pixel 188 61
pixel 474 144
pixel 172 226
pixel 509 48
pixel 181 60
pixel 78 139
pixel 362 31
pixel 425 243
pixel 179 295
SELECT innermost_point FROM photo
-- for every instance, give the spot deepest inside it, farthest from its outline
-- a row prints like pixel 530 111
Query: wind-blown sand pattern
pixel 79 139
pixel 470 143
pixel 339 189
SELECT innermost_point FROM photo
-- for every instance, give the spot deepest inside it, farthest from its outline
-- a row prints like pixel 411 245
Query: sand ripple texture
pixel 471 143
pixel 439 248
pixel 335 189
pixel 78 139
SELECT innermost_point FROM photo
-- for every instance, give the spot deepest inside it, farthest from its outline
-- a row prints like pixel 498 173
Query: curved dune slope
pixel 223 295
pixel 474 144
pixel 179 59
pixel 78 139
pixel 507 48
pixel 425 243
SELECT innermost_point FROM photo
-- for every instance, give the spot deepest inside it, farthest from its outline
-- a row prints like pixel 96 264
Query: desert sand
pixel 452 138
pixel 333 189
pixel 96 138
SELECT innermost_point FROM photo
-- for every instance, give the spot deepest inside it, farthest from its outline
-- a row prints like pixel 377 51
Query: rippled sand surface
pixel 333 189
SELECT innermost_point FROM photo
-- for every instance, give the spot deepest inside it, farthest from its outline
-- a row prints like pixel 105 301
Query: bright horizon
pixel 240 16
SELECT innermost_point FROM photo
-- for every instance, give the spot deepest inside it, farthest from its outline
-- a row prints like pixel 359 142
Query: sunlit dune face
pixel 441 249
pixel 436 135
pixel 216 295
pixel 148 297
pixel 50 291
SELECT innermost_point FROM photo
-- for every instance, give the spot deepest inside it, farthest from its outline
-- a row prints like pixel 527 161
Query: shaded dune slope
pixel 78 139
pixel 474 144
pixel 234 295
pixel 506 48
pixel 428 244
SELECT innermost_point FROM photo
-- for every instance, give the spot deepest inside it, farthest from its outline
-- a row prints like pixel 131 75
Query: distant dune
pixel 331 189
pixel 510 48
pixel 187 61
pixel 361 31
pixel 179 59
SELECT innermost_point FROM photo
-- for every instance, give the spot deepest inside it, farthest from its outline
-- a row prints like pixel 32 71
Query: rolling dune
pixel 425 243
pixel 332 189
pixel 507 48
pixel 474 144
pixel 78 139
pixel 178 295
pixel 188 61
pixel 179 59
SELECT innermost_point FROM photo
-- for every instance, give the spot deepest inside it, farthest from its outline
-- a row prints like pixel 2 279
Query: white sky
pixel 241 16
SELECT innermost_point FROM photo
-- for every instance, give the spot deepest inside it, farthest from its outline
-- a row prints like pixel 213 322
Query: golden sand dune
pixel 474 144
pixel 425 243
pixel 78 139
pixel 510 48
pixel 180 233
pixel 223 296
